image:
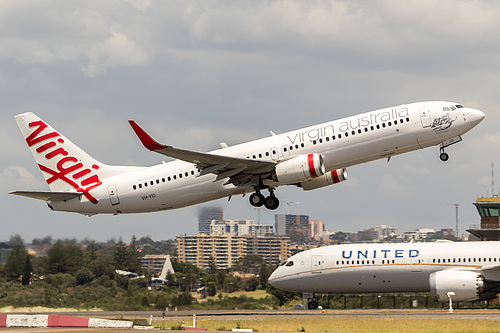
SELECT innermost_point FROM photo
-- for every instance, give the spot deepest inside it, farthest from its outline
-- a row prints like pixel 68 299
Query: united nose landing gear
pixel 270 202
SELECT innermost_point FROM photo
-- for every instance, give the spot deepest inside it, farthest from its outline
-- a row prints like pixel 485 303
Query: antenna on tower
pixel 456 217
pixel 289 203
pixel 492 179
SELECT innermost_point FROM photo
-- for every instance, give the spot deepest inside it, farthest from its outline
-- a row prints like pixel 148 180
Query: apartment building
pixel 226 249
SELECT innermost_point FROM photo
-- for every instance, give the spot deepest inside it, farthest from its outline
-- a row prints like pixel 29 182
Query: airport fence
pixel 395 301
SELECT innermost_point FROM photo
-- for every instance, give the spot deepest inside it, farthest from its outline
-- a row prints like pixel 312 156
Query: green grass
pixel 258 294
pixel 347 324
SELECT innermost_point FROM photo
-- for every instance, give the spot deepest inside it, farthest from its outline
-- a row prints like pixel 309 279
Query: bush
pixel 84 276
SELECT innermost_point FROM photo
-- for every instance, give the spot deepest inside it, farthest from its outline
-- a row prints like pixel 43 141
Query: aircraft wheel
pixel 271 202
pixel 313 304
pixel 257 199
pixel 444 157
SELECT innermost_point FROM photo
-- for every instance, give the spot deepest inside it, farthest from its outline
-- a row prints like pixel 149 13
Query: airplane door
pixel 425 117
pixel 113 195
pixel 416 263
pixel 274 153
pixel 285 151
pixel 316 264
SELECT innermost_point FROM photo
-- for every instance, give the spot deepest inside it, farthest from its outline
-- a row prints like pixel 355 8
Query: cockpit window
pixel 453 107
pixel 289 263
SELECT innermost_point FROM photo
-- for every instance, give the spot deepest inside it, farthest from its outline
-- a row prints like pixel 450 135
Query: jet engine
pixel 467 286
pixel 299 169
pixel 329 178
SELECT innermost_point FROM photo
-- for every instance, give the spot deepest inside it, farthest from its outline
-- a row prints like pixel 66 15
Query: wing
pixel 491 268
pixel 240 171
pixel 48 195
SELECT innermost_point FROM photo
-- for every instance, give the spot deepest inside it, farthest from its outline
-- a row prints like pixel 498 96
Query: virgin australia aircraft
pixel 467 270
pixel 310 158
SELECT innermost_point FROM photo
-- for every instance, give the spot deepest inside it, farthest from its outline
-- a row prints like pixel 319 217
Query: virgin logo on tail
pixel 66 163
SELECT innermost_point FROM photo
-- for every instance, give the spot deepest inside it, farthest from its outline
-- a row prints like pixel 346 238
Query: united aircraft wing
pixel 495 267
pixel 239 170
pixel 48 195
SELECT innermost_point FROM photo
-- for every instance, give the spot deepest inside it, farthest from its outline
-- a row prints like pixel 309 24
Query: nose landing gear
pixel 270 202
pixel 443 156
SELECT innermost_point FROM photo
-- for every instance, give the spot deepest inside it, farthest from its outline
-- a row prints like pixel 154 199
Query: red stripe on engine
pixel 312 170
pixel 335 177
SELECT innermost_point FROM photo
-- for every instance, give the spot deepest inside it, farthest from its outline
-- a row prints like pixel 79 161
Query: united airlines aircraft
pixel 309 158
pixel 467 270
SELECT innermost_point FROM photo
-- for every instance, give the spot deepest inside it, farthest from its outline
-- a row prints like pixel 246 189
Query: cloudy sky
pixel 196 73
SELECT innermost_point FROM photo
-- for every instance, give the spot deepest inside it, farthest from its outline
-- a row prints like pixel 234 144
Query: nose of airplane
pixel 475 116
pixel 272 279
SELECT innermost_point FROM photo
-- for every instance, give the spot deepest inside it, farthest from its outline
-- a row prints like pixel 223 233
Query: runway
pixel 242 315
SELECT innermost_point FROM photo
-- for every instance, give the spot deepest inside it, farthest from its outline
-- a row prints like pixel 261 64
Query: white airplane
pixel 467 270
pixel 310 158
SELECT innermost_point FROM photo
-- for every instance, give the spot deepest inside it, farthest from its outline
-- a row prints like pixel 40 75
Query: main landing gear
pixel 257 199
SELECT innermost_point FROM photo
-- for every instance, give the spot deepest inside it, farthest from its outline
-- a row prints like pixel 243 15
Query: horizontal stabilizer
pixel 48 195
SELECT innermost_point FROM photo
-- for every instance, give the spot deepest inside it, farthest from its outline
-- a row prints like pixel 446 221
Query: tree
pixel 126 257
pixel 63 258
pixel 27 270
pixel 16 259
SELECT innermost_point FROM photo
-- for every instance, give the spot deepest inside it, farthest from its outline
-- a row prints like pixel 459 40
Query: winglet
pixel 145 138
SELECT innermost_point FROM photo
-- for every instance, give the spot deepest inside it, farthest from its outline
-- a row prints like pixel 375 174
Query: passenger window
pixel 180 175
pixel 359 131
pixel 134 187
pixel 163 179
pixel 267 153
pixel 157 181
pixel 145 184
pixel 366 129
pixel 140 185
pixel 353 133
pixel 260 155
pixel 175 177
pixel 346 134
pixel 151 182
pixel 186 174
pixel 383 125
pixel 340 136
pixel 302 145
pixel 320 140
pixel 378 126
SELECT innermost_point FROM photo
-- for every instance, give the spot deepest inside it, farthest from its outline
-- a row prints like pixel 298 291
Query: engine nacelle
pixel 299 169
pixel 467 286
pixel 329 178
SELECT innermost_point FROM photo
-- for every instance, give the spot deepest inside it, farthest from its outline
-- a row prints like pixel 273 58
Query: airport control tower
pixel 489 210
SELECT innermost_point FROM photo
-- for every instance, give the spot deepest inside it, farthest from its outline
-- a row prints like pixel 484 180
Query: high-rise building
pixel 206 215
pixel 317 227
pixel 291 225
pixel 240 228
pixel 226 249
